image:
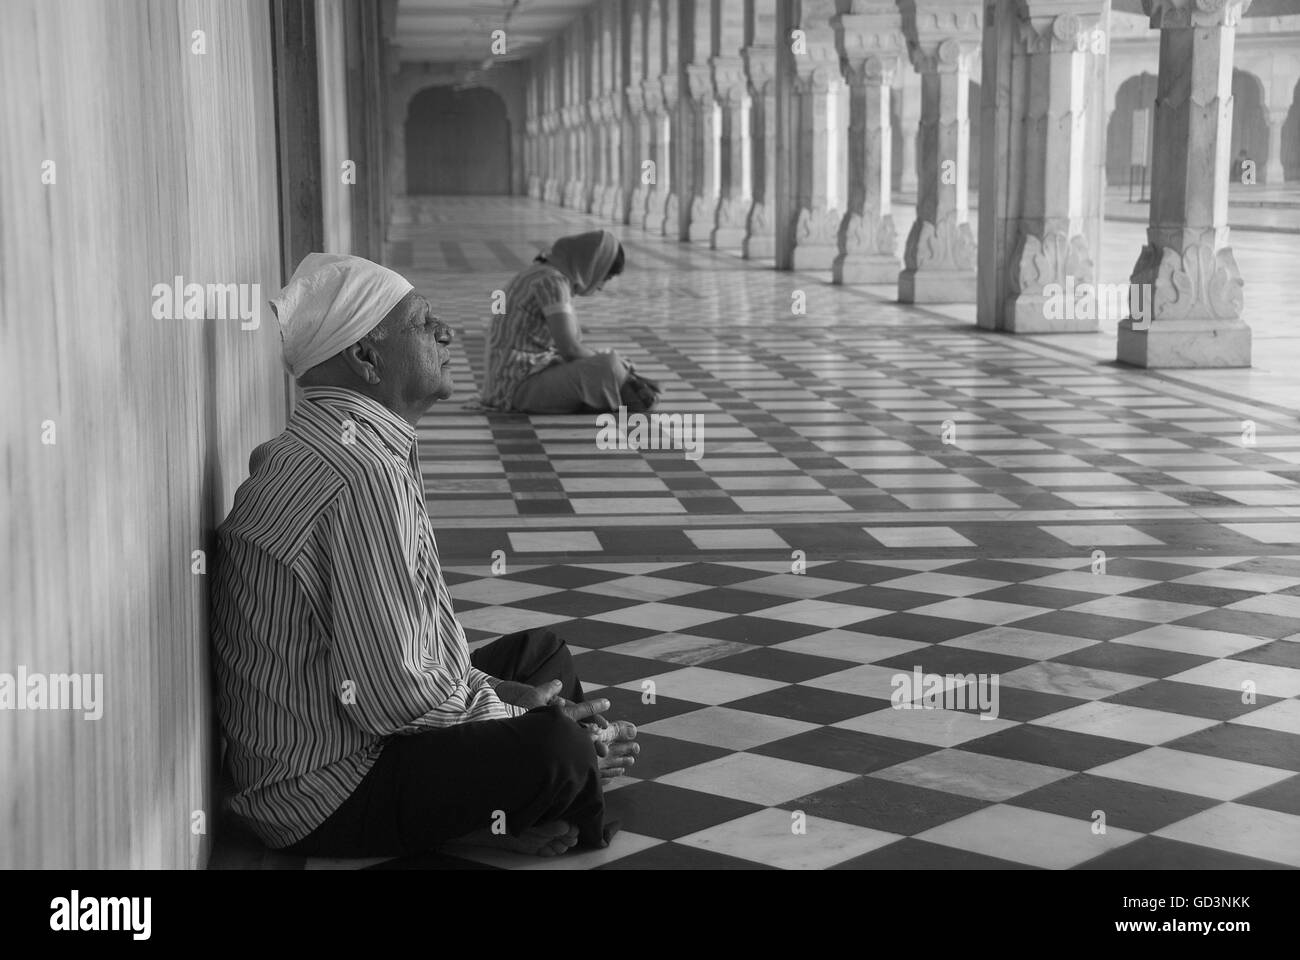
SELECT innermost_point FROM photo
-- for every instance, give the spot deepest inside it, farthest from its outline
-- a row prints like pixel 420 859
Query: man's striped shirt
pixel 332 624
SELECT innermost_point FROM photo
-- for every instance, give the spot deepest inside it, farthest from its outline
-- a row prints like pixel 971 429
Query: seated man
pixel 535 360
pixel 356 721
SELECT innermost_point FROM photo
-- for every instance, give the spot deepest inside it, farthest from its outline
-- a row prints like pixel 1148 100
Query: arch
pixel 1291 138
pixel 1138 92
pixel 457 142
pixel 896 141
pixel 1249 118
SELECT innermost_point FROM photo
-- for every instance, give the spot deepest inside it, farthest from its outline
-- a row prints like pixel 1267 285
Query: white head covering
pixel 332 301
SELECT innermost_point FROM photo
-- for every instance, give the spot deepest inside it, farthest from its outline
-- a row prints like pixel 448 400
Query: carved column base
pixel 1182 344
pixel 551 191
pixel 865 268
pixel 817 240
pixel 591 198
pixel 636 210
pixel 653 219
pixel 936 286
pixel 617 204
pixel 1030 313
pixel 670 216
pixel 729 233
pixel 760 241
pixel 704 211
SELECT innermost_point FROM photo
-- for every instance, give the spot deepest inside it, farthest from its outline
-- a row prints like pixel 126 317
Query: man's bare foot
pixel 544 840
pixel 615 749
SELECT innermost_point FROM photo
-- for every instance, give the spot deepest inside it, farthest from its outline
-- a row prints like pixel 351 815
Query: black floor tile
pixel 912 854
pixel 1129 806
pixel 846 750
pixel 884 805
pixel 1157 853
pixel 1127 658
pixel 1234 741
pixel 1052 748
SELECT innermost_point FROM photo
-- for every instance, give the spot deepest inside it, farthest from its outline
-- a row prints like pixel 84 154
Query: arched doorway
pixel 1135 93
pixel 1249 120
pixel 1291 138
pixel 457 142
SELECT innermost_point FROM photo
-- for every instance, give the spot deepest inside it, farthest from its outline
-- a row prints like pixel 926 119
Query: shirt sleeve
pixel 479 679
pixel 553 295
pixel 389 642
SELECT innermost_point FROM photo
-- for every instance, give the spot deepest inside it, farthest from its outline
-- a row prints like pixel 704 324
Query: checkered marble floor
pixel 882 489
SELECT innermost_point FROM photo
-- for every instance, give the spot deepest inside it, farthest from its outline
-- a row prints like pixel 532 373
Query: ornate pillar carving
pixel 760 233
pixel 872 41
pixel 1195 288
pixel 939 259
pixel 734 186
pixel 1057 235
pixel 1273 173
pixel 705 157
pixel 822 141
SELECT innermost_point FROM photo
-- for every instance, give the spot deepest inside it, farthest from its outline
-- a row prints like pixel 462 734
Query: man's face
pixel 416 353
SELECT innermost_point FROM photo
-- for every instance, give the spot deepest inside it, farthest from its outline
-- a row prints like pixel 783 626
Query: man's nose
pixel 443 333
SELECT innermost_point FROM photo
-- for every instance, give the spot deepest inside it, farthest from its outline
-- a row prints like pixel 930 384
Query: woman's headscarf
pixel 585 258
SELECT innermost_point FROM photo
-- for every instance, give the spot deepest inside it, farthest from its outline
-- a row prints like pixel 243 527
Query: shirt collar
pixel 393 432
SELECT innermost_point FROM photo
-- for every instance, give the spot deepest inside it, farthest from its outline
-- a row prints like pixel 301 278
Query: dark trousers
pixel 430 787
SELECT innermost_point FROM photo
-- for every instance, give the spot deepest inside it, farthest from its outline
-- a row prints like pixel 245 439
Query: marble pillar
pixel 652 209
pixel 534 179
pixel 909 119
pixel 664 204
pixel 1186 270
pixel 551 187
pixel 638 151
pixel 615 207
pixel 1056 227
pixel 871 39
pixel 939 258
pixel 760 233
pixel 734 198
pixel 593 188
pixel 821 141
pixel 706 135
pixel 1273 172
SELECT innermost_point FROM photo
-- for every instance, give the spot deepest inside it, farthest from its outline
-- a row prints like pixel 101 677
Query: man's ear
pixel 364 361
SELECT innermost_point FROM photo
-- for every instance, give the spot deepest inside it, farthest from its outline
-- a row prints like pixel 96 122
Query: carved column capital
pixel 1062 31
pixel 699 81
pixel 653 95
pixel 949 55
pixel 1166 14
pixel 874 31
pixel 878 68
pixel 760 66
pixel 943 36
pixel 729 80
pixel 668 86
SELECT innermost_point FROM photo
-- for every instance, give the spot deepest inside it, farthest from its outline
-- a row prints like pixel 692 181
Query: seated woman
pixel 535 360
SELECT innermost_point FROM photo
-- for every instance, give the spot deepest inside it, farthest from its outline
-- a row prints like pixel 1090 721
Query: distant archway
pixel 1291 138
pixel 457 142
pixel 1249 119
pixel 1135 93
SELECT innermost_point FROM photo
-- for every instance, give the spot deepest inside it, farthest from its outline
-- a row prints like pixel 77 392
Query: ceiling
pixel 460 31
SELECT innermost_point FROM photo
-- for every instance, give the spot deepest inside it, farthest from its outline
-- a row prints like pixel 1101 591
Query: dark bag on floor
pixel 640 394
